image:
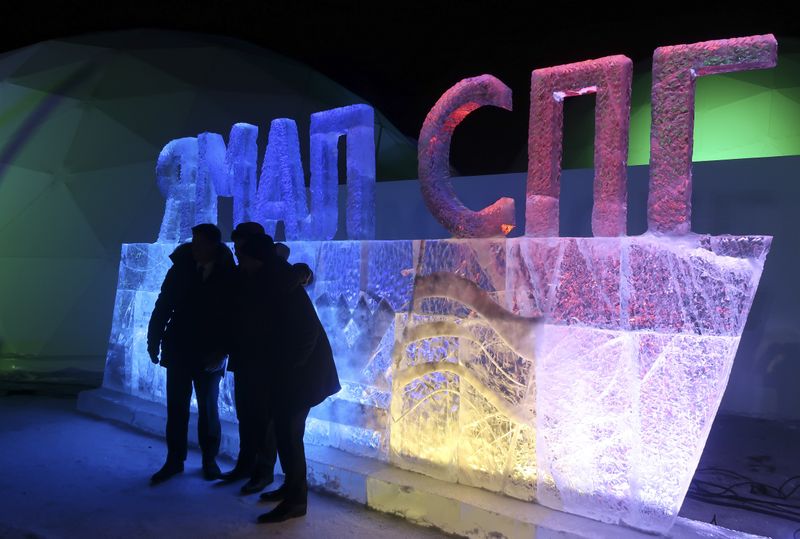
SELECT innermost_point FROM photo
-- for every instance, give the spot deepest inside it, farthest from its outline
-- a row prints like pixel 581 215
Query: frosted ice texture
pixel 212 177
pixel 241 162
pixel 604 414
pixel 176 173
pixel 433 153
pixel 583 373
pixel 357 123
pixel 610 79
pixel 671 135
pixel 193 172
pixel 281 192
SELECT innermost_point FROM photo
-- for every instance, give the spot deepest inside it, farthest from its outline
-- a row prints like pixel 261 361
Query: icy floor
pixel 68 475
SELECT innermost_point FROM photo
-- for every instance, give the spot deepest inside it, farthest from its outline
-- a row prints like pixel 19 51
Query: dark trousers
pixel 290 426
pixel 179 397
pixel 257 447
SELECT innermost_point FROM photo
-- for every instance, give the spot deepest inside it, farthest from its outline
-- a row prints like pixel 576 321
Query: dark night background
pixel 402 56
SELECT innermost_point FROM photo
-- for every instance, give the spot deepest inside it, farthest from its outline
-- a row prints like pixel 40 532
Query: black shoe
pixel 169 469
pixel 211 470
pixel 234 475
pixel 257 484
pixel 273 495
pixel 242 470
pixel 284 511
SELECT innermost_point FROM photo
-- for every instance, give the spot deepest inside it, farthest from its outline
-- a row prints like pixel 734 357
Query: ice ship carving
pixel 582 373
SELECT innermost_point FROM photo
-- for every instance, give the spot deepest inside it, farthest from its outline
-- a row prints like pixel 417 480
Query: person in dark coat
pixel 303 374
pixel 248 362
pixel 301 268
pixel 187 330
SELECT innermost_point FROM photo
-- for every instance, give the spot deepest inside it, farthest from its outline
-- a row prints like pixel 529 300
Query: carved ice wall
pixel 600 408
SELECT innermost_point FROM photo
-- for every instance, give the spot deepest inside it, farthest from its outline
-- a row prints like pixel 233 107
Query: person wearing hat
pixel 257 446
pixel 300 268
pixel 187 336
pixel 289 356
pixel 302 374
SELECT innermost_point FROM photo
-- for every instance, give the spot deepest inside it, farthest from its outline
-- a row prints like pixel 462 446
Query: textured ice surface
pixel 583 373
pixel 282 190
pixel 610 79
pixel 602 407
pixel 176 173
pixel 241 163
pixel 193 172
pixel 671 136
pixel 357 123
pixel 434 163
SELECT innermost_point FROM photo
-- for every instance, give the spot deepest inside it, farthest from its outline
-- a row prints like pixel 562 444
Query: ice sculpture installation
pixel 357 123
pixel 591 381
pixel 579 373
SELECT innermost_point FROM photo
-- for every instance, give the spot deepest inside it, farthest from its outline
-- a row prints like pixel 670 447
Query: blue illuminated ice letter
pixel 212 177
pixel 176 175
pixel 193 172
pixel 227 171
pixel 241 162
pixel 281 194
pixel 357 123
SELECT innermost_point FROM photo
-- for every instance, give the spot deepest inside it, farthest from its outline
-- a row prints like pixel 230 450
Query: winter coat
pixel 305 372
pixel 191 317
pixel 277 336
pixel 254 326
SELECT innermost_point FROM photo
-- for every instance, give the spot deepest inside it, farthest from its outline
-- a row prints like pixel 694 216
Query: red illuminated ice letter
pixel 610 79
pixel 669 206
pixel 434 160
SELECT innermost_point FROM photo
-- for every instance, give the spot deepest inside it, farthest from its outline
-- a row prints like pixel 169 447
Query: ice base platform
pixel 582 374
pixel 453 508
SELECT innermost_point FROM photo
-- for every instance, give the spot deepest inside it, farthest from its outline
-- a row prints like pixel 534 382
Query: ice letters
pixel 193 172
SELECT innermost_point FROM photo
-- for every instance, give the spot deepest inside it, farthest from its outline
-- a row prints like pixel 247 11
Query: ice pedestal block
pixel 580 373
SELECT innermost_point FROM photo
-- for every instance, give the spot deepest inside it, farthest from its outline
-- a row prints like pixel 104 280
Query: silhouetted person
pixel 301 268
pixel 187 328
pixel 304 273
pixel 303 374
pixel 248 362
pixel 282 250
